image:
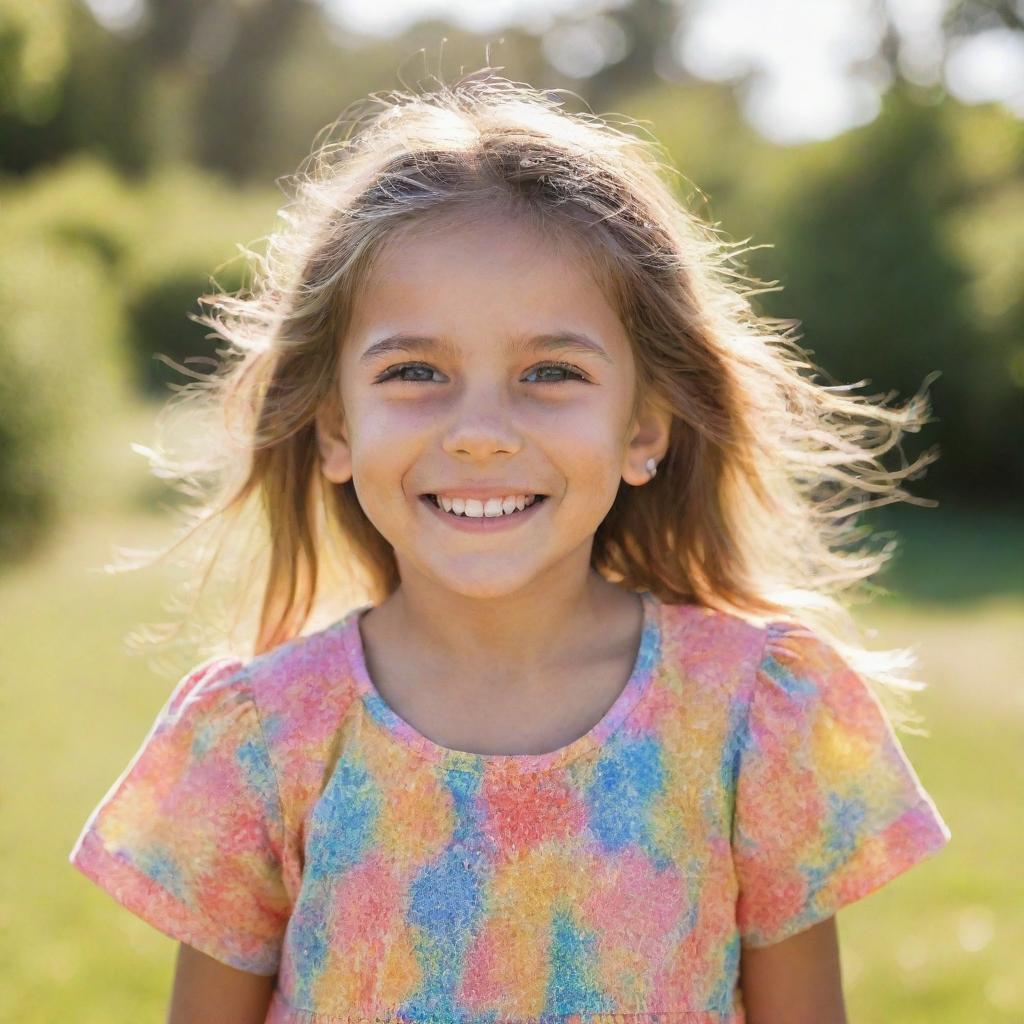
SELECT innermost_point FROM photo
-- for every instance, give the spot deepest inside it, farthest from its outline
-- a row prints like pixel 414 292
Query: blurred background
pixel 875 150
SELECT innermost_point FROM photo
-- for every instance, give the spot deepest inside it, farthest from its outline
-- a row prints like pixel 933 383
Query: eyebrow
pixel 557 341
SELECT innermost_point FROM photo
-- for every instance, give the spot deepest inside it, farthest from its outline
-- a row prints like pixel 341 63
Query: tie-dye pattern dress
pixel 282 818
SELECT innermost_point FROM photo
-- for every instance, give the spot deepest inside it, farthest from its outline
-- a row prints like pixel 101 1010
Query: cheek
pixel 383 450
pixel 384 420
pixel 384 436
pixel 591 440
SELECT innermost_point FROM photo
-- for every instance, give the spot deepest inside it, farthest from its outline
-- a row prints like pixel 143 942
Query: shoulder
pixel 218 677
pixel 801 667
pixel 302 691
pixel 716 650
pixel 304 686
pixel 729 651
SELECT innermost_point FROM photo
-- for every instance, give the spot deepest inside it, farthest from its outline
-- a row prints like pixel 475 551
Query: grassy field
pixel 940 945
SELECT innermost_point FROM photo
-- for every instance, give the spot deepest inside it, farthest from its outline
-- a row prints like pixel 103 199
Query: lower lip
pixel 484 524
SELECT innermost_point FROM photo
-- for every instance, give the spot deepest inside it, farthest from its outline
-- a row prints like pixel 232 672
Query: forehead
pixel 485 261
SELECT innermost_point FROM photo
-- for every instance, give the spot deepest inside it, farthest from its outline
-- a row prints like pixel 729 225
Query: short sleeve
pixel 190 836
pixel 827 806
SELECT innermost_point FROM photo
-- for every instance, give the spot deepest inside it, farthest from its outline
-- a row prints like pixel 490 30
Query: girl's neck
pixel 478 644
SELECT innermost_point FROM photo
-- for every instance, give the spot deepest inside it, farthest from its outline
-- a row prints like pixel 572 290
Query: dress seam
pixel 769 632
pixel 286 827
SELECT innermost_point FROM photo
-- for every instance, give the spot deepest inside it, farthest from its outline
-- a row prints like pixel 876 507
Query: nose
pixel 481 425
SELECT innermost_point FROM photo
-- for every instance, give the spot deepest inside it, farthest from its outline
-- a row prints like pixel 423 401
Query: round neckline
pixel 645 662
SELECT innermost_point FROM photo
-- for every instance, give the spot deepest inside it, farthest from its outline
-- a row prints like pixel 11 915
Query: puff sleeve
pixel 191 837
pixel 827 806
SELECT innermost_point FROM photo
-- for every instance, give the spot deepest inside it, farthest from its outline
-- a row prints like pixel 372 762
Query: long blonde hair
pixel 757 502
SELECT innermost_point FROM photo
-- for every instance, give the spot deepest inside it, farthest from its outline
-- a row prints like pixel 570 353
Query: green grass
pixel 940 944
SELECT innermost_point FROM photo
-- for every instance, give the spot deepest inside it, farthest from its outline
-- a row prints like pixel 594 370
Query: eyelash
pixel 391 371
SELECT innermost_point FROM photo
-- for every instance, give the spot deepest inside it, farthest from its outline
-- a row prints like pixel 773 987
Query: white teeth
pixel 473 508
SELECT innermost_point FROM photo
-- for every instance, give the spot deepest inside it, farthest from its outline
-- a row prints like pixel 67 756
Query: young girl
pixel 603 740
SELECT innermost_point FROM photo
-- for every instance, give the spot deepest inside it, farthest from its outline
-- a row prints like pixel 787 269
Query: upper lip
pixel 482 493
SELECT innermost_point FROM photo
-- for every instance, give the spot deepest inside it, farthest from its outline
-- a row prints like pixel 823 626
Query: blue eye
pixel 393 372
pixel 568 368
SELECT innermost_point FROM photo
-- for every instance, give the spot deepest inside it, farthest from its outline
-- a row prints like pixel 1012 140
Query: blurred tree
pixel 709 144
pixel 957 20
pixel 882 292
pixel 964 17
pixel 171 28
pixel 33 62
pixel 61 377
pixel 649 27
pixel 986 224
pixel 93 97
pixel 199 80
pixel 239 46
pixel 320 78
pixel 33 55
pixel 433 51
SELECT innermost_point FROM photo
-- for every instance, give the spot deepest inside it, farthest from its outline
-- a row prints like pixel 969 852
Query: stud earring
pixel 652 467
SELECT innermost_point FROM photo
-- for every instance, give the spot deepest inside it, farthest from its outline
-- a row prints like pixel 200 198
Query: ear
pixel 332 443
pixel 652 431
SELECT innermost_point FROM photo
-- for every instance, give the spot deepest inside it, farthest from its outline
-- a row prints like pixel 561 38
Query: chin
pixel 489 579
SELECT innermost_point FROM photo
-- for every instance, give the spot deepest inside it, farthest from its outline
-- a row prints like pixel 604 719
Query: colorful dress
pixel 282 818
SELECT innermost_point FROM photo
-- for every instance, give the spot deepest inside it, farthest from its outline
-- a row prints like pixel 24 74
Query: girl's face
pixel 478 403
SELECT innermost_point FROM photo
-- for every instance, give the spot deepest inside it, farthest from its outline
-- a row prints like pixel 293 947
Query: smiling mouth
pixel 432 498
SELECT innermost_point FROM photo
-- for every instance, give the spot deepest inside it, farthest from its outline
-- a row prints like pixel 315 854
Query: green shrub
pixel 81 201
pixel 62 376
pixel 186 245
pixel 165 241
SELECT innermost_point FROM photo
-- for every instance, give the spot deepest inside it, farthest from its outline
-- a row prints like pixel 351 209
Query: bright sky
pixel 814 77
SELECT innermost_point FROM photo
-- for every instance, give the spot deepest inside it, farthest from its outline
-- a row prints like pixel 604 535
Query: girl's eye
pixel 567 368
pixel 396 372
